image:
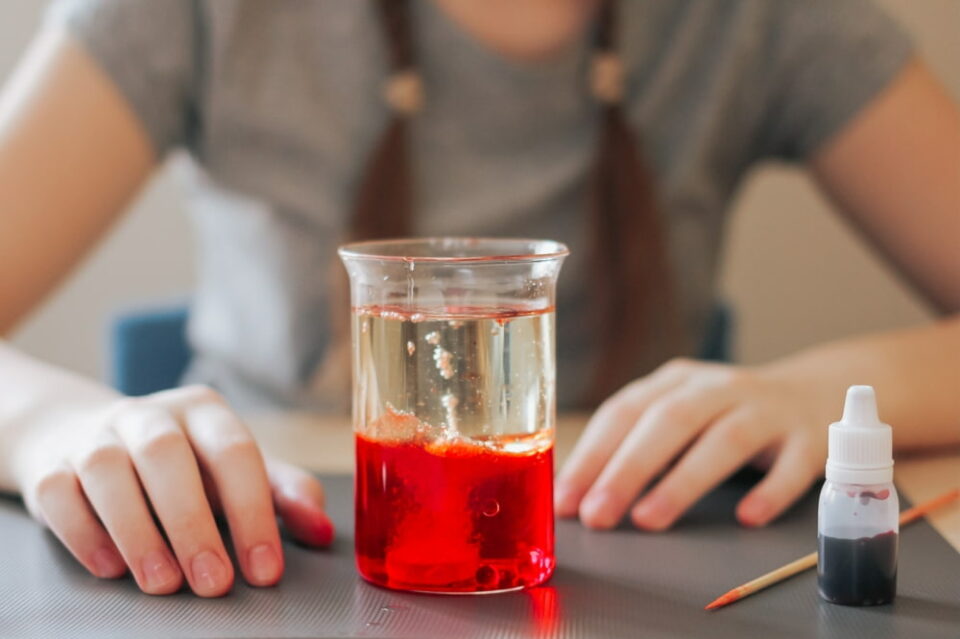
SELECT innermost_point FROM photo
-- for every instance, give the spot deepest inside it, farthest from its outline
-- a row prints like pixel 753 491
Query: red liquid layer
pixel 453 517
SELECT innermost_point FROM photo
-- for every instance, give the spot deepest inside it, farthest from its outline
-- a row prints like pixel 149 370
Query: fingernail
pixel 596 510
pixel 107 563
pixel 158 569
pixel 753 511
pixel 323 530
pixel 209 573
pixel 264 564
pixel 653 512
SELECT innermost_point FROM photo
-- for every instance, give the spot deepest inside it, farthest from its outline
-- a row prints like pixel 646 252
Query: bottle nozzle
pixel 860 445
pixel 860 408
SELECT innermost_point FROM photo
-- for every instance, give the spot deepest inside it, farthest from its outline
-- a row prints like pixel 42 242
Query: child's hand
pixel 138 485
pixel 712 419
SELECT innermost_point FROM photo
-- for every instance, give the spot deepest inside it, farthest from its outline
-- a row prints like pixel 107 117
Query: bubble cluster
pixel 449 403
pixel 444 361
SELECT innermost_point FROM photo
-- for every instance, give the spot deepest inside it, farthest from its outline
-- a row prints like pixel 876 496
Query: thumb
pixel 299 500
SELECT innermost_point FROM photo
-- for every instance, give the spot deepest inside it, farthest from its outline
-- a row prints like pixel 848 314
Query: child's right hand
pixel 137 486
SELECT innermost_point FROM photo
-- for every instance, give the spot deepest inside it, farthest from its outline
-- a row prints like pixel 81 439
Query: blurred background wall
pixel 794 272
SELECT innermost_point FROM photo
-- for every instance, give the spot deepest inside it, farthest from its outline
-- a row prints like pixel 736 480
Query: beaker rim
pixel 458 249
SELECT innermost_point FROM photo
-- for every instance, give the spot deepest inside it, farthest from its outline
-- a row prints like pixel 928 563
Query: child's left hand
pixel 712 419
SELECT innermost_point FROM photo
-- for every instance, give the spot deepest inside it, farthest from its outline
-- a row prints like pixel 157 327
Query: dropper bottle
pixel 858 518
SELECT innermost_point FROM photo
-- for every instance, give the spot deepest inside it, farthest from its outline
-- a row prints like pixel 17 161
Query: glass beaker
pixel 453 411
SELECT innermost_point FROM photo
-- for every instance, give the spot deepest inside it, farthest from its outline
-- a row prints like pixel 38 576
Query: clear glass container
pixel 453 411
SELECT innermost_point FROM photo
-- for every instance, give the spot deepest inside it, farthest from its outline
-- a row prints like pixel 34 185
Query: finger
pixel 726 445
pixel 658 437
pixel 210 490
pixel 59 500
pixel 791 475
pixel 229 456
pixel 299 498
pixel 604 432
pixel 113 490
pixel 169 474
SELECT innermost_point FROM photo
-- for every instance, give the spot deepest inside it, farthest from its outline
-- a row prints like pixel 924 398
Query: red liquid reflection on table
pixel 454 516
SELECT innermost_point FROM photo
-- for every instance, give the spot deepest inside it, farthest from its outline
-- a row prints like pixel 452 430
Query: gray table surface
pixel 622 583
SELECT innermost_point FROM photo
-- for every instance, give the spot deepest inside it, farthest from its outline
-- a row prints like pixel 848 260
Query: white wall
pixel 785 296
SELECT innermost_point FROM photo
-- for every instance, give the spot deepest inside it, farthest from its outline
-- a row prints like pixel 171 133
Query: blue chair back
pixel 149 350
pixel 717 344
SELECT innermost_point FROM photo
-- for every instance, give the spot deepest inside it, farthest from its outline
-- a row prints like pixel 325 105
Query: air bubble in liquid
pixel 433 337
pixel 490 508
pixel 487 575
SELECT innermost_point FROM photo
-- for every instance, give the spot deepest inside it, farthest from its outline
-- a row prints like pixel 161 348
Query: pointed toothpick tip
pixel 722 601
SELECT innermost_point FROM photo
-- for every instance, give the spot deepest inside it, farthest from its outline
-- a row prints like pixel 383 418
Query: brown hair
pixel 628 258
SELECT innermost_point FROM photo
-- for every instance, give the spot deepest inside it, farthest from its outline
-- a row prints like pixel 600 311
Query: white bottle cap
pixel 861 446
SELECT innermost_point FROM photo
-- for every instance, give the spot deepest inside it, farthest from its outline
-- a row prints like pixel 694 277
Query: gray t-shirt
pixel 278 104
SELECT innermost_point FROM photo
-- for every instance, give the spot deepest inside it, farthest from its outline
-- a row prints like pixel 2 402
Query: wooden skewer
pixel 809 561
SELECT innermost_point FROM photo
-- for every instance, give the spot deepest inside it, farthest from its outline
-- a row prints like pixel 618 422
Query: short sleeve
pixel 827 60
pixel 148 49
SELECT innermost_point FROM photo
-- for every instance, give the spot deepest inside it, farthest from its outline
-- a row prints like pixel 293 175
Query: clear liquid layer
pixel 468 373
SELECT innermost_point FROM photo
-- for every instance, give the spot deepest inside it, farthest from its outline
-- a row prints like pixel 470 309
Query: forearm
pixel 35 398
pixel 72 154
pixel 916 373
